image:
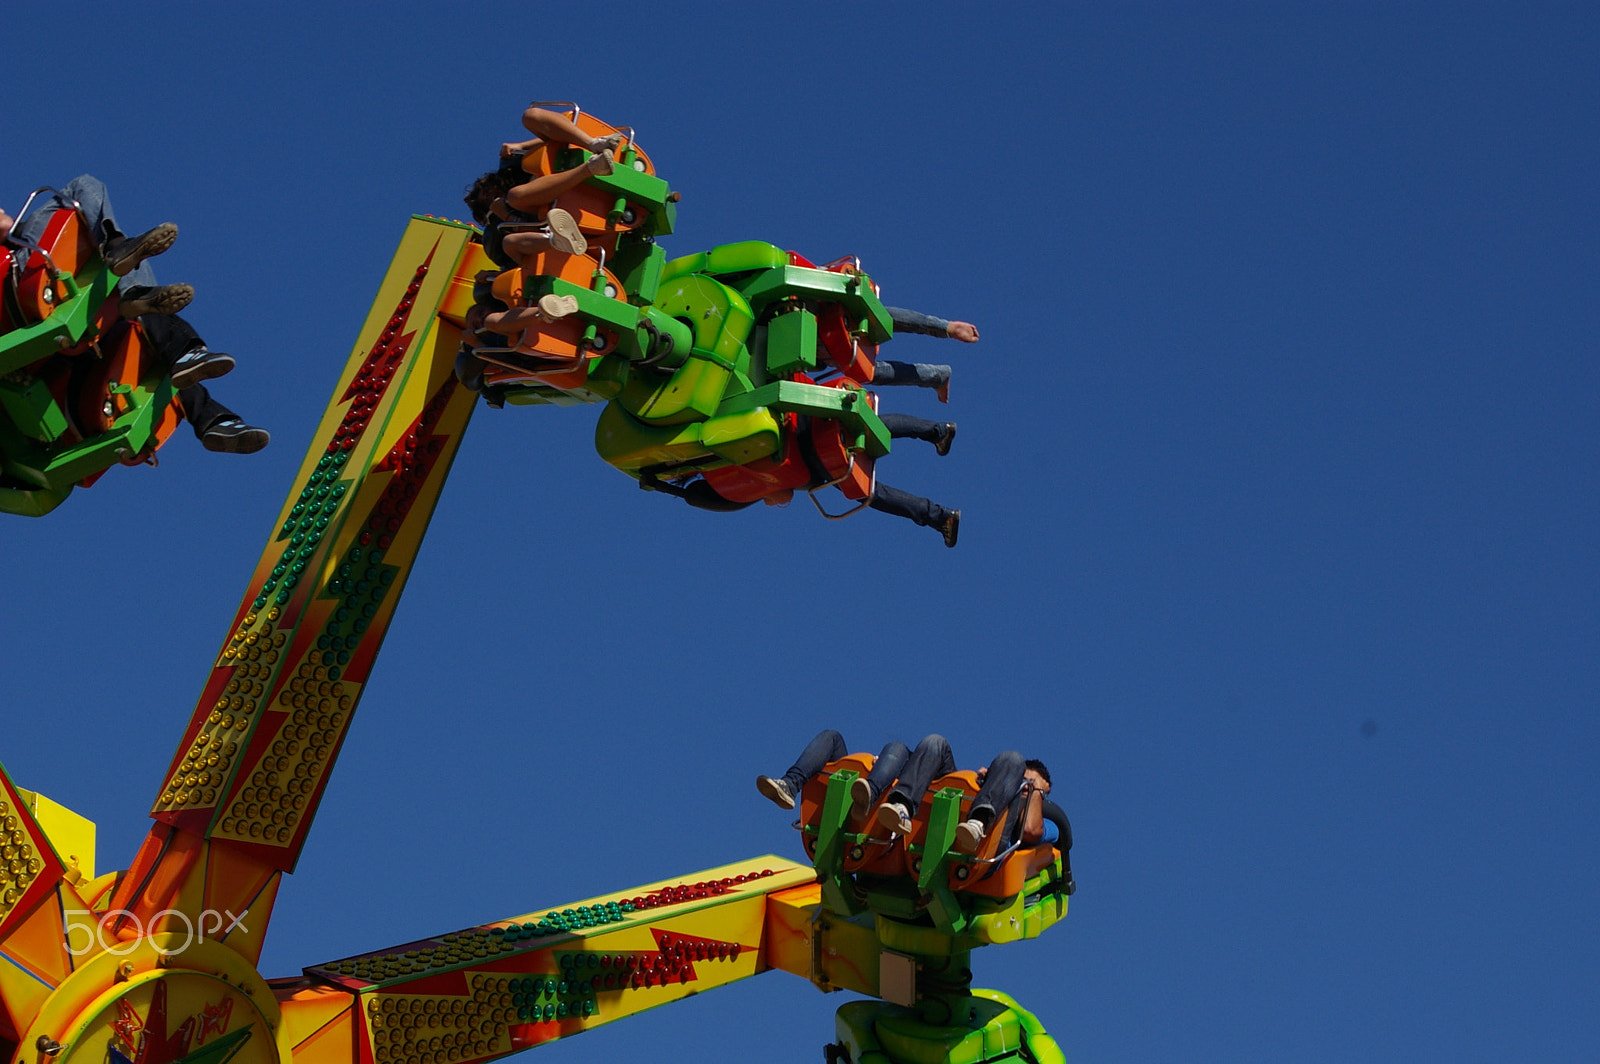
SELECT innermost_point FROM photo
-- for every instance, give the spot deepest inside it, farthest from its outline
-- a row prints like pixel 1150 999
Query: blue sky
pixel 1277 462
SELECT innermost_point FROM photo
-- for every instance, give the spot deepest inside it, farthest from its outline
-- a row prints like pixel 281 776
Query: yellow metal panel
pixel 71 835
pixel 481 993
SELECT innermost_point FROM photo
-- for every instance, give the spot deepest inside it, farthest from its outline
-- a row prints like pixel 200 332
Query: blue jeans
pixel 88 195
pixel 931 759
pixel 915 374
pixel 829 746
pixel 1002 787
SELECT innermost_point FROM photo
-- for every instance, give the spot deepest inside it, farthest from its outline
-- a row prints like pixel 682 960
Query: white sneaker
pixel 553 307
pixel 895 816
pixel 565 236
pixel 968 835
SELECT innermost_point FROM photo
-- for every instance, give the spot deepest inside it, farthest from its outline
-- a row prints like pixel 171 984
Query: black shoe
pixel 947 436
pixel 123 253
pixel 234 437
pixel 162 299
pixel 951 528
pixel 199 365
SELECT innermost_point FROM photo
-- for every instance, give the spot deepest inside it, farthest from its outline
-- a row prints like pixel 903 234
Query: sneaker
pixel 947 433
pixel 162 299
pixel 951 528
pixel 860 797
pixel 968 835
pixel 199 365
pixel 775 790
pixel 895 816
pixel 234 437
pixel 553 307
pixel 600 163
pixel 610 142
pixel 564 234
pixel 123 254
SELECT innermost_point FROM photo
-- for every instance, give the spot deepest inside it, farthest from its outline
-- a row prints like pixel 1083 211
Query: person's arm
pixel 1033 818
pixel 928 325
pixel 1056 818
pixel 521 147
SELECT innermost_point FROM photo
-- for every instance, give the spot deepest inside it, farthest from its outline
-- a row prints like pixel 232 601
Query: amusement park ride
pixel 743 365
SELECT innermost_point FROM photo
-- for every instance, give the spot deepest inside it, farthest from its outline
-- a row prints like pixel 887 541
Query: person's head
pixel 1034 770
pixel 482 193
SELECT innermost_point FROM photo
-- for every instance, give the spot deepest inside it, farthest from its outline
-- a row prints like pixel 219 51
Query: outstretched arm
pixel 928 325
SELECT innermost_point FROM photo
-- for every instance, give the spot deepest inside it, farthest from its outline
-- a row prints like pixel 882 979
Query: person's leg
pixel 564 236
pixel 892 500
pixel 546 189
pixel 217 427
pixel 88 195
pixel 886 373
pixel 827 746
pixel 891 762
pixel 555 128
pixel 915 508
pixel 1001 789
pixel 125 255
pixel 931 759
pixel 907 426
pixel 180 353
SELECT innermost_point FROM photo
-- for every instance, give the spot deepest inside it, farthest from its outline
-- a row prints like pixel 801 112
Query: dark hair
pixel 1038 766
pixel 488 188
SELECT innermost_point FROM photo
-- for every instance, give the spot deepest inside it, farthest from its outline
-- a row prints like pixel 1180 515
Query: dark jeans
pixel 829 746
pixel 930 760
pixel 170 339
pixel 904 504
pixel 908 426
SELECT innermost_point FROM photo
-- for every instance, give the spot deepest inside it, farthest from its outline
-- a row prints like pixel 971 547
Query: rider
pixel 176 349
pixel 901 778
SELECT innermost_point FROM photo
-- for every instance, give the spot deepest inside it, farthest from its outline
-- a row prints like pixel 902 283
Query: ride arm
pixel 239 797
pixel 512 984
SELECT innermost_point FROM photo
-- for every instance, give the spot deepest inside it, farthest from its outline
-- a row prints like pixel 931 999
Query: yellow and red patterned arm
pixel 243 787
pixel 482 993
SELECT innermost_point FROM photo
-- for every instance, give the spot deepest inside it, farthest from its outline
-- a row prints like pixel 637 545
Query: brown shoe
pixel 776 791
pixel 123 254
pixel 162 299
pixel 951 528
pixel 947 436
pixel 860 797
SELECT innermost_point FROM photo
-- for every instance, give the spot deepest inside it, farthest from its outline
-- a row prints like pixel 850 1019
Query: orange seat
pixel 559 343
pixel 881 843
pixel 589 206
